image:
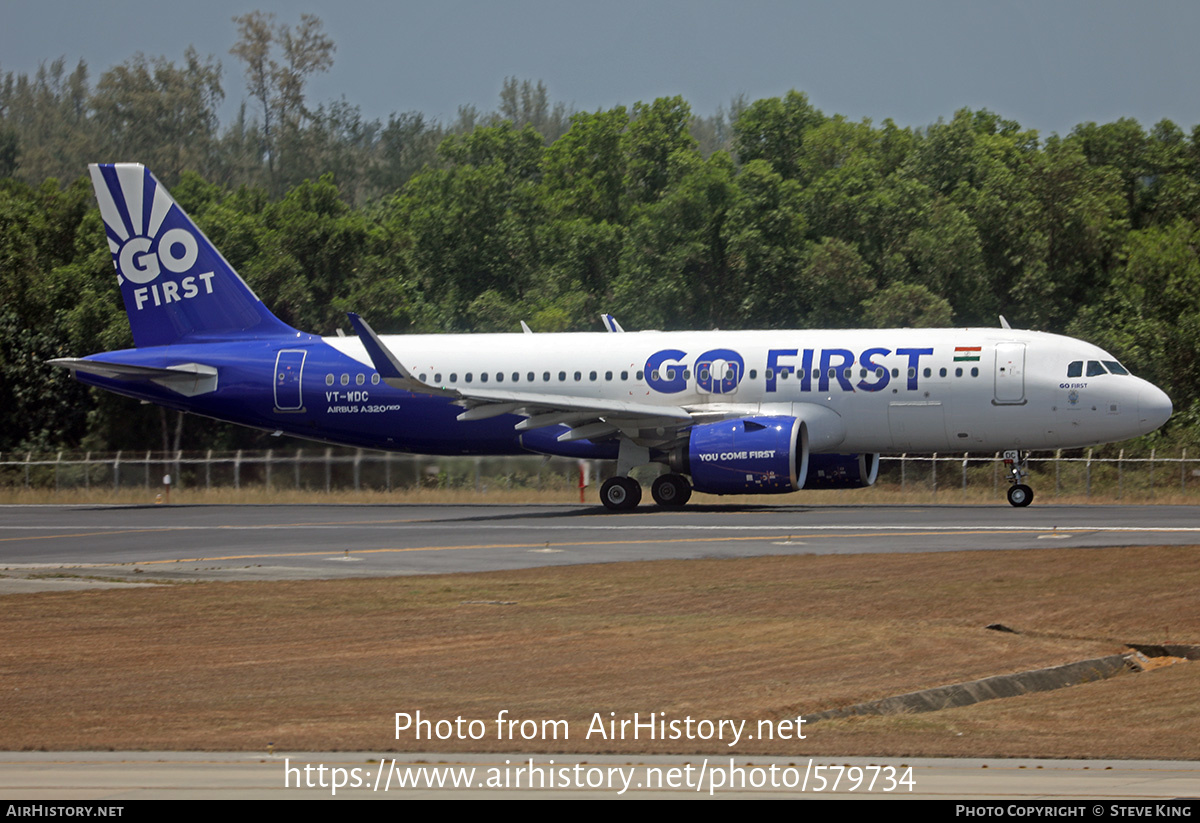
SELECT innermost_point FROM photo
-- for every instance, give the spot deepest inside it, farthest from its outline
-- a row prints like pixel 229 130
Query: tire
pixel 1020 495
pixel 620 494
pixel 671 491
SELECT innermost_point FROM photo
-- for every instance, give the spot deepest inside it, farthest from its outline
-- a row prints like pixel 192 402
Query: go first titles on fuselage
pixel 719 371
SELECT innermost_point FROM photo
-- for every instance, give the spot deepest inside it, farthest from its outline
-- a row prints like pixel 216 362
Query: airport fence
pixel 316 469
pixel 944 476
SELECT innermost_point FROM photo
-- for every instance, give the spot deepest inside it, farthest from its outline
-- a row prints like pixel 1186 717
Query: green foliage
pixel 159 113
pixel 771 214
pixel 907 305
pixel 1149 316
pixel 674 272
pixel 775 130
pixel 658 132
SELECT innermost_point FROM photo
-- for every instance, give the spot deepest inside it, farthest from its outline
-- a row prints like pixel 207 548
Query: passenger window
pixel 453 377
pixel 482 377
pixel 912 372
pixel 975 371
pixel 958 372
pixel 769 374
pixel 592 376
pixel 896 372
pixel 641 375
pixel 531 376
pixel 578 376
pixel 360 379
pixel 704 374
pixel 437 378
pixel 562 377
pixel 375 379
pixel 329 380
pixel 624 375
pixel 421 377
pixel 468 377
pixel 1094 368
pixel 345 380
pixel 942 372
pixel 608 375
pixel 929 372
pixel 753 374
pixel 1075 369
pixel 545 377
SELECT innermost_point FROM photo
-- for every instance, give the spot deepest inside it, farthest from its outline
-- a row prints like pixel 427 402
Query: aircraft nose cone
pixel 1154 407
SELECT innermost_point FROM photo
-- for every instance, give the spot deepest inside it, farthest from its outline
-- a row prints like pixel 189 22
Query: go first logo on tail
pixel 143 243
pixel 139 262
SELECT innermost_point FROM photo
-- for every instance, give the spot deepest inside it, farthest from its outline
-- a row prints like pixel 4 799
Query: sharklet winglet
pixel 389 367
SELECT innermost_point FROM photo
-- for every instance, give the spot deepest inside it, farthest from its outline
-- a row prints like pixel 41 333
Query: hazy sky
pixel 1049 65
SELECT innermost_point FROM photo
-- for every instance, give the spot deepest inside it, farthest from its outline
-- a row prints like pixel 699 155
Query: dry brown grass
pixel 324 665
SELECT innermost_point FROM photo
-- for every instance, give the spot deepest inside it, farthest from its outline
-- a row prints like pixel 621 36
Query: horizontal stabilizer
pixel 188 379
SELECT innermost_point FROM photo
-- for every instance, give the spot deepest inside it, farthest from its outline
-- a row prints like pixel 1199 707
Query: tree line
pixel 772 214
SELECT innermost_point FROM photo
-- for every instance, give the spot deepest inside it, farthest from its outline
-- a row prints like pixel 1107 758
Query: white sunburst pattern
pixel 125 216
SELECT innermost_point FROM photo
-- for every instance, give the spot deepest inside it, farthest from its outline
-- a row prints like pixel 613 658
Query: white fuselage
pixel 891 390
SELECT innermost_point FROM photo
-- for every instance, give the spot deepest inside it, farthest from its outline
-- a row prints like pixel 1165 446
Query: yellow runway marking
pixel 87 534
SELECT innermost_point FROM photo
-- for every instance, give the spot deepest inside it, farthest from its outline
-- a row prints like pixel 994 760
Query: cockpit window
pixel 1115 367
pixel 1095 368
pixel 1075 369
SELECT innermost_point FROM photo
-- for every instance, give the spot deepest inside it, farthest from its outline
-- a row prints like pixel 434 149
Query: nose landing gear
pixel 1019 494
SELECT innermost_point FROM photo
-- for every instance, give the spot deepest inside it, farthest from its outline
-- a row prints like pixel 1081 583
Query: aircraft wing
pixel 587 417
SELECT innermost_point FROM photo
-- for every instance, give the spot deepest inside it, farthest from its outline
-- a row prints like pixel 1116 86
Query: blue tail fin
pixel 175 283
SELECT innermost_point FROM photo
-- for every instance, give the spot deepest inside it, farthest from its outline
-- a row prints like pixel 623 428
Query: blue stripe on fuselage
pixel 369 415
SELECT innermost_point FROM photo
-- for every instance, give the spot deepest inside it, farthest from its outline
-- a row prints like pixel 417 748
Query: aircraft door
pixel 1010 374
pixel 289 369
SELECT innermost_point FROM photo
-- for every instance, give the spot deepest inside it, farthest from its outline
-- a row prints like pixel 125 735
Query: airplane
pixel 725 412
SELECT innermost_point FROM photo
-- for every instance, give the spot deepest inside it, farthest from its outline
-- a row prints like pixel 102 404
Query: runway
pixel 1097 787
pixel 303 541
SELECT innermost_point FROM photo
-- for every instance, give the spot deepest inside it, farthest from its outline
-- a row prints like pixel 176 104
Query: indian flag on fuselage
pixel 966 353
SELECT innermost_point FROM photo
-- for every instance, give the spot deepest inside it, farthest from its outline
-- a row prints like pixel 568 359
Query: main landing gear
pixel 620 494
pixel 624 493
pixel 1019 494
pixel 671 490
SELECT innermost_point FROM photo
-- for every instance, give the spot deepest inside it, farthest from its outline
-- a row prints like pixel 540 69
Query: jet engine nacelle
pixel 841 471
pixel 751 455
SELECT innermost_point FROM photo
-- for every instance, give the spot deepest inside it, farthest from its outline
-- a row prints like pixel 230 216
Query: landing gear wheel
pixel 1020 495
pixel 671 490
pixel 620 494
